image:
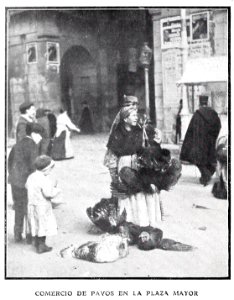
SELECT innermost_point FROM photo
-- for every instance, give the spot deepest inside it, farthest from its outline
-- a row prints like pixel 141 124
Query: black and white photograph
pixel 117 144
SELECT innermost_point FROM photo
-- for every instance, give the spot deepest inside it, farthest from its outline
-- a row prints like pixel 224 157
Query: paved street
pixel 192 216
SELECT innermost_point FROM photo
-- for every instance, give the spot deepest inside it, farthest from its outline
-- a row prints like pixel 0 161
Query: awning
pixel 209 69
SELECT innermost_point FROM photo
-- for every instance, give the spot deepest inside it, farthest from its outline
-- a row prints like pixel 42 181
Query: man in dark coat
pixel 199 144
pixel 20 166
pixel 28 114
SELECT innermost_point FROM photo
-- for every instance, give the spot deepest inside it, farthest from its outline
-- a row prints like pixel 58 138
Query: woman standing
pixel 125 142
pixel 62 147
pixel 43 120
pixel 111 159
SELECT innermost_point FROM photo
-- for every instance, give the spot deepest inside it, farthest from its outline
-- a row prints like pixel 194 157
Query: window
pixel 31 53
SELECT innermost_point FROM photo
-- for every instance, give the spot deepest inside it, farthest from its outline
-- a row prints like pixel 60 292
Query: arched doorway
pixel 79 83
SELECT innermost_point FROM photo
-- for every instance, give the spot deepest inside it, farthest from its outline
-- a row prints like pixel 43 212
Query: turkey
pixel 109 248
pixel 146 238
pixel 105 215
pixel 149 238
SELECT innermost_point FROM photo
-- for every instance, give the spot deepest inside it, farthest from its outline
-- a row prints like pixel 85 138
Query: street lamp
pixel 145 58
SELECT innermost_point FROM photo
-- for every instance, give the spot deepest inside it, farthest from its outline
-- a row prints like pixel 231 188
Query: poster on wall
pixel 199 24
pixel 31 53
pixel 52 52
pixel 171 32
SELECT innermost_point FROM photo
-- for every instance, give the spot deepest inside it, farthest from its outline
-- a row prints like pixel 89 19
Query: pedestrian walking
pixel 199 144
pixel 41 189
pixel 20 166
pixel 28 115
pixel 62 147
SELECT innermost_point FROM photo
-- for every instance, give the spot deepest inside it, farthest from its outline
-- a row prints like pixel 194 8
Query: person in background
pixel 199 143
pixel 52 122
pixel 86 123
pixel 28 115
pixel 220 187
pixel 178 123
pixel 52 128
pixel 20 166
pixel 62 147
pixel 41 189
pixel 43 120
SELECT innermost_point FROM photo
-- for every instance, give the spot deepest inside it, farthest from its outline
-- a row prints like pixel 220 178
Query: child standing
pixel 41 189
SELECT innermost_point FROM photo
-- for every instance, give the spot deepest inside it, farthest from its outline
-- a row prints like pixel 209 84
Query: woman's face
pixel 132 118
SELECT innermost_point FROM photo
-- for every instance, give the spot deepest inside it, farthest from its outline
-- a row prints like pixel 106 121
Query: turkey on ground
pixel 109 248
pixel 149 238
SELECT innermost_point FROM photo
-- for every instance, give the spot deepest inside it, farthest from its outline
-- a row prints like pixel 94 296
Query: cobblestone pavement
pixel 192 216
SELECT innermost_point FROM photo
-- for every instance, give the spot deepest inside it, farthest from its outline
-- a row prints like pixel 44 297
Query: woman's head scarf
pixel 125 112
pixel 129 101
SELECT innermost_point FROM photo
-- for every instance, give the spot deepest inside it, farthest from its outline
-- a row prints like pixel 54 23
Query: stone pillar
pixel 102 76
pixel 157 57
pixel 185 115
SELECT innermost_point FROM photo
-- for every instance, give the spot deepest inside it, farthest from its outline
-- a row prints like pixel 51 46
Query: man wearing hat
pixel 199 143
pixel 28 115
pixel 20 166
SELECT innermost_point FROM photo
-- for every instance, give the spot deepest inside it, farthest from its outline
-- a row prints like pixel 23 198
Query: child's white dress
pixel 41 219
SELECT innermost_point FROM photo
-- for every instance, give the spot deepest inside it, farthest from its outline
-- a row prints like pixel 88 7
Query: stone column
pixel 157 58
pixel 185 115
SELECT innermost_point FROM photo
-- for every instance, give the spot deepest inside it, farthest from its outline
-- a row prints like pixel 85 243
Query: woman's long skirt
pixel 62 147
pixel 142 209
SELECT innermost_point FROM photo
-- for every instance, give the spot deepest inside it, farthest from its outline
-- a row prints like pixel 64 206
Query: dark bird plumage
pixel 105 215
pixel 163 177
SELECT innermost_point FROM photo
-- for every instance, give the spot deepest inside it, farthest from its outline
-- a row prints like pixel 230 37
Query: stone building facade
pixel 75 58
pixel 189 61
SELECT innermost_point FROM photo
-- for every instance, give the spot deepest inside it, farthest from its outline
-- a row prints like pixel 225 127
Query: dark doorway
pixel 78 82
